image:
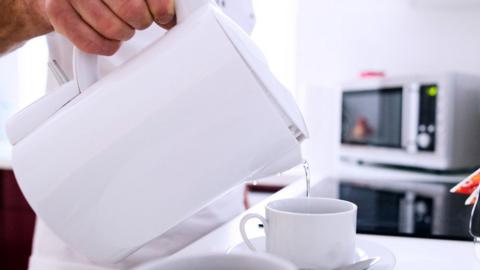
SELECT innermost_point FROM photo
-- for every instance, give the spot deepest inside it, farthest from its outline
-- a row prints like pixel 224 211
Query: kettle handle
pixel 85 70
pixel 85 66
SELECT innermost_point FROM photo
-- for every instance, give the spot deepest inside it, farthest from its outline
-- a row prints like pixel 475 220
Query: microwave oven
pixel 426 122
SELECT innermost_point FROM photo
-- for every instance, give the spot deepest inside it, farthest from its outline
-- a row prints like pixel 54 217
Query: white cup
pixel 220 262
pixel 314 233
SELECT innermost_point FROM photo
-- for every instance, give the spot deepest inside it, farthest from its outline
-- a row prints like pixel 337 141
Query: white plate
pixel 365 249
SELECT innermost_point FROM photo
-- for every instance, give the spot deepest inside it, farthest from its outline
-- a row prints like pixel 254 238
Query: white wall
pixel 339 38
pixel 274 33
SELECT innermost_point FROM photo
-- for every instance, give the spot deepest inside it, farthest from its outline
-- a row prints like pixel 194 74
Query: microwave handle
pixel 412 119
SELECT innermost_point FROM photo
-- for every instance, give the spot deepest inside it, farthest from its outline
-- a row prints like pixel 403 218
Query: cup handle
pixel 243 232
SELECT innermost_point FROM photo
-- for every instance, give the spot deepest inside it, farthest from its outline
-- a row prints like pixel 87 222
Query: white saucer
pixel 365 249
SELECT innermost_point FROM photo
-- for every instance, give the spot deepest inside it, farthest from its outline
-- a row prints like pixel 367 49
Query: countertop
pixel 352 170
pixel 410 253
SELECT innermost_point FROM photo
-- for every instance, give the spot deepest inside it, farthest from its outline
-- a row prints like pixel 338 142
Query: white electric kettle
pixel 111 164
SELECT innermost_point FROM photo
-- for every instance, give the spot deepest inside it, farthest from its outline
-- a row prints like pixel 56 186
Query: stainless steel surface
pixel 412 119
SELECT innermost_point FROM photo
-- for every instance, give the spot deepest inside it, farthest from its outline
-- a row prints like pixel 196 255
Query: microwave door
pixel 373 117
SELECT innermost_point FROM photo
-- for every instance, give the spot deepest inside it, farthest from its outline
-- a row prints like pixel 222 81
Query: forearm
pixel 21 20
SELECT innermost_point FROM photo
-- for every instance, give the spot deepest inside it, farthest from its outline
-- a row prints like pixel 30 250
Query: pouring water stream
pixel 306 167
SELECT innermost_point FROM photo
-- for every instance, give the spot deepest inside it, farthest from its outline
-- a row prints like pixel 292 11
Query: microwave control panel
pixel 427 116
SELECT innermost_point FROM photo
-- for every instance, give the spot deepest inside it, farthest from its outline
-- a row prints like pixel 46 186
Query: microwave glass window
pixel 372 117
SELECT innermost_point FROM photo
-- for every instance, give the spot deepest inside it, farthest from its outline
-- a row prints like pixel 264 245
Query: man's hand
pixel 21 20
pixel 99 26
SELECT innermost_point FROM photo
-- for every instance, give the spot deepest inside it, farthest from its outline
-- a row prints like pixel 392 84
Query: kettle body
pixel 125 158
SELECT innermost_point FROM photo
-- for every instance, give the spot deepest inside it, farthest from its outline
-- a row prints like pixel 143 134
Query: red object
pixel 372 74
pixel 252 188
pixel 468 185
pixel 17 222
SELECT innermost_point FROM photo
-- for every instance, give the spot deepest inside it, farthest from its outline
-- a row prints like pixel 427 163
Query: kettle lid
pixel 256 61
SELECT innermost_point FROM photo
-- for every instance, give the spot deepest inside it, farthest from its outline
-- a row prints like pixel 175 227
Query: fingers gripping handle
pixel 243 231
pixel 86 65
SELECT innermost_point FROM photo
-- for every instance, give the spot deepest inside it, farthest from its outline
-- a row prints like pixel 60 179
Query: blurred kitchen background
pixel 336 40
pixel 314 47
